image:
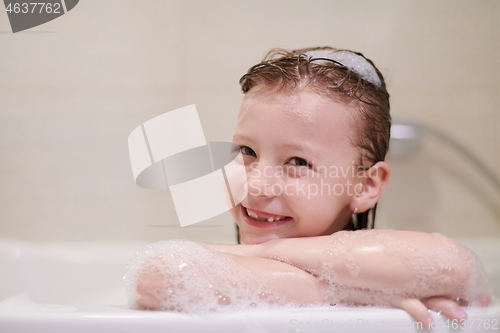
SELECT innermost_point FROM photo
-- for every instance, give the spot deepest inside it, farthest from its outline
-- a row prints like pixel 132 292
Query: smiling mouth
pixel 264 217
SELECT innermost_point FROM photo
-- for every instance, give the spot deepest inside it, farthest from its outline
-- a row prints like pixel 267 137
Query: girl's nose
pixel 263 181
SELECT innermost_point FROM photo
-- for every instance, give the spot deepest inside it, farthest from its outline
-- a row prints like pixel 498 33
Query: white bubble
pixel 194 279
pixel 198 280
pixel 351 60
pixel 459 271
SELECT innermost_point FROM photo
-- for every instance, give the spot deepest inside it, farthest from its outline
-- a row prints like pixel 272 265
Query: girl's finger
pixel 483 300
pixel 147 289
pixel 416 309
pixel 447 307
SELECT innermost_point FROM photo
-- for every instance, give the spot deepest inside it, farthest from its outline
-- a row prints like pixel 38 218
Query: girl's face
pixel 301 166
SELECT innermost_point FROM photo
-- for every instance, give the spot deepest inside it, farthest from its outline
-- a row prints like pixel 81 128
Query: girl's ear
pixel 372 184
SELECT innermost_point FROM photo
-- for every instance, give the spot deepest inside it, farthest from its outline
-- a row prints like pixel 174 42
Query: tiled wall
pixel 71 91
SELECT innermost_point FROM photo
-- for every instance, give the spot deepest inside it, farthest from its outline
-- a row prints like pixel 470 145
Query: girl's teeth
pixel 257 217
pixel 252 214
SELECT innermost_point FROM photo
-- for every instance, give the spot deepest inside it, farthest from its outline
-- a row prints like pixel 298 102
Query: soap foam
pixel 468 281
pixel 195 279
pixel 351 60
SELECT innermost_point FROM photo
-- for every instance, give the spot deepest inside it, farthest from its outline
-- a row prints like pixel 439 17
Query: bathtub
pixel 58 287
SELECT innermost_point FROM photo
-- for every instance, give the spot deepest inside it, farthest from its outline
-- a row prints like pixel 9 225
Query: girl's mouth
pixel 263 220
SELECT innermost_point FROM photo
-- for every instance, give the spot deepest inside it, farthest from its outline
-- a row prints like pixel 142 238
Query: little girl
pixel 314 129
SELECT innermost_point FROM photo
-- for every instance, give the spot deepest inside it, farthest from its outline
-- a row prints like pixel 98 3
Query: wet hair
pixel 288 71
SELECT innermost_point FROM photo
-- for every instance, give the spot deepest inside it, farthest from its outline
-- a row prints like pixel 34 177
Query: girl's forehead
pixel 292 105
pixel 305 105
pixel 304 115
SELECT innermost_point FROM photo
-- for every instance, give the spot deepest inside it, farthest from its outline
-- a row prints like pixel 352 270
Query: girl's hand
pixel 419 310
pixel 152 280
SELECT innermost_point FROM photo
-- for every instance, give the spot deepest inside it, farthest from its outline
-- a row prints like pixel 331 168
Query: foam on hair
pixel 356 63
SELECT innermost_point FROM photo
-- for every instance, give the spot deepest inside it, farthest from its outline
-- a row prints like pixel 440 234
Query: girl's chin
pixel 256 239
pixel 249 235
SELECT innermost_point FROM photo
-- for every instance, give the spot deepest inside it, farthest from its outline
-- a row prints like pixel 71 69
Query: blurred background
pixel 72 90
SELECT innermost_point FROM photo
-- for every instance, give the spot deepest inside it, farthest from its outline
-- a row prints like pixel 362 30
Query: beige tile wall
pixel 71 91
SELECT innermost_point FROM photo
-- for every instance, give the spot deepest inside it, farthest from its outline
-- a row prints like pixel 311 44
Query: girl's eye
pixel 300 162
pixel 247 151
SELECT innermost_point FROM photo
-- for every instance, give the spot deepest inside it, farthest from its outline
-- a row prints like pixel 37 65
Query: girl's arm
pixel 410 270
pixel 370 259
pixel 296 285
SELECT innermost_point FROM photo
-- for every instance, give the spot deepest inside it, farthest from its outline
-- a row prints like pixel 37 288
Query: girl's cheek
pixel 235 213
